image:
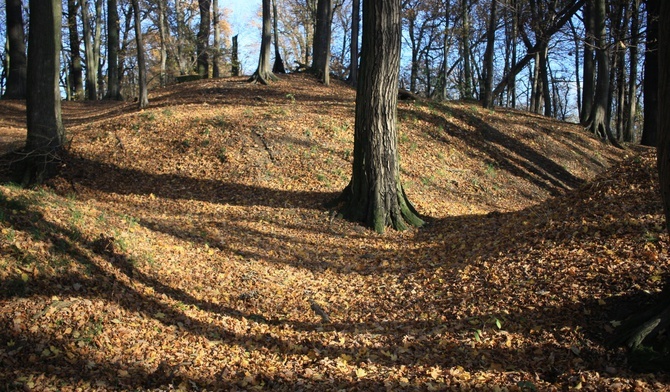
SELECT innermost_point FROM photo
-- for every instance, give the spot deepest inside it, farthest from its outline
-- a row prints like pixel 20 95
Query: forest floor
pixel 186 247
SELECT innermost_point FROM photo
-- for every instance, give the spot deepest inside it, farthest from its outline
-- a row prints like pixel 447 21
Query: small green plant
pixel 403 138
pixel 291 97
pixel 413 147
pixel 491 170
pixel 308 133
pixel 222 155
pixel 168 112
pixel 427 180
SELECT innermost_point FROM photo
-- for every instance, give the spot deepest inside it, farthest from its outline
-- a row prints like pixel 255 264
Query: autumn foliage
pixel 186 246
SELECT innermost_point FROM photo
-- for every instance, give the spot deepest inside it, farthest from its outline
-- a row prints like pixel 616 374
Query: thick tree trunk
pixel 650 127
pixel 45 127
pixel 16 76
pixel 278 66
pixel 263 73
pixel 487 96
pixel 234 59
pixel 202 38
pixel 600 116
pixel 113 87
pixel 322 36
pixel 353 55
pixel 143 99
pixel 589 64
pixel 375 195
pixel 91 47
pixel 544 74
pixel 76 72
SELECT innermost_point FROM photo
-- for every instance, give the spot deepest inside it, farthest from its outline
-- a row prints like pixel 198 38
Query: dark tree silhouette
pixel 16 77
pixel 650 127
pixel 143 99
pixel 375 195
pixel 202 40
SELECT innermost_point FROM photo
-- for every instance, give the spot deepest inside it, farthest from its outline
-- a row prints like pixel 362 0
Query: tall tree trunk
pixel 76 73
pixel 546 89
pixel 278 66
pixel 163 32
pixel 650 127
pixel 202 38
pixel 466 88
pixel 45 127
pixel 113 87
pixel 263 72
pixel 16 76
pixel 631 100
pixel 355 23
pixel 143 99
pixel 589 64
pixel 322 36
pixel 600 116
pixel 578 85
pixel 375 195
pixel 487 96
pixel 216 71
pixel 97 42
pixel 90 44
pixel 182 54
pixel 441 91
pixel 234 58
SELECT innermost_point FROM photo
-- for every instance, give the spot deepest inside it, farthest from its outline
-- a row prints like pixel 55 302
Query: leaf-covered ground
pixel 186 247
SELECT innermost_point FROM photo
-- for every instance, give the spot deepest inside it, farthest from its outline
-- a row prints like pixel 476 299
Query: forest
pixel 372 195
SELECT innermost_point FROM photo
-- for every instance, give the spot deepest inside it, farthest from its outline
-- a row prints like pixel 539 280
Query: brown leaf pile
pixel 185 247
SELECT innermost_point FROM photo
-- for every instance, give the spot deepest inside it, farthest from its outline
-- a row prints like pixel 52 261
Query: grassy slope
pixel 186 245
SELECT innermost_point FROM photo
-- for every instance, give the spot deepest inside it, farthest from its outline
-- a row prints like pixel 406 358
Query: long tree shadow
pixel 403 339
pixel 126 181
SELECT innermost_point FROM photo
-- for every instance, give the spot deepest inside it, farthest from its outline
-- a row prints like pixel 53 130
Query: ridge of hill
pixel 186 247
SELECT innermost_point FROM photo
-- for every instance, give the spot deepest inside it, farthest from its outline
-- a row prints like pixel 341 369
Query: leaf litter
pixel 186 247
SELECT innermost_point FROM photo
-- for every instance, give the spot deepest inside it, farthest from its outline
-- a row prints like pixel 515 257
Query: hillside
pixel 186 247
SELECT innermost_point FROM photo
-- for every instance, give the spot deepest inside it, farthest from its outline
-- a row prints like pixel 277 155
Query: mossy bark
pixel 375 195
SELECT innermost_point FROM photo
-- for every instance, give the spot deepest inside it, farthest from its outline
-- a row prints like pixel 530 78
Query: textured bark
pixel 143 99
pixel 234 59
pixel 664 109
pixel 487 96
pixel 375 195
pixel 76 72
pixel 92 47
pixel 216 58
pixel 45 128
pixel 589 64
pixel 650 127
pixel 163 33
pixel 355 23
pixel 113 86
pixel 631 100
pixel 16 76
pixel 466 88
pixel 202 38
pixel 321 43
pixel 263 73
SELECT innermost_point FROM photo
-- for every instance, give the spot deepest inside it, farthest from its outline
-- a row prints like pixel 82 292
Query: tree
pixel 375 195
pixel 113 86
pixel 76 72
pixel 487 96
pixel 278 66
pixel 143 99
pixel 650 126
pixel 46 133
pixel 355 23
pixel 322 36
pixel 600 116
pixel 202 41
pixel 263 73
pixel 16 77
pixel 92 34
pixel 216 58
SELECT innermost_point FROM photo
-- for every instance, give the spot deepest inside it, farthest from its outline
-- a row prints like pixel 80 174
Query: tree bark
pixel 163 33
pixel 631 100
pixel 355 23
pixel 650 126
pixel 487 96
pixel 46 133
pixel 76 72
pixel 466 88
pixel 143 99
pixel 321 44
pixel 234 58
pixel 202 38
pixel 278 66
pixel 91 47
pixel 216 58
pixel 113 87
pixel 375 195
pixel 16 76
pixel 263 72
